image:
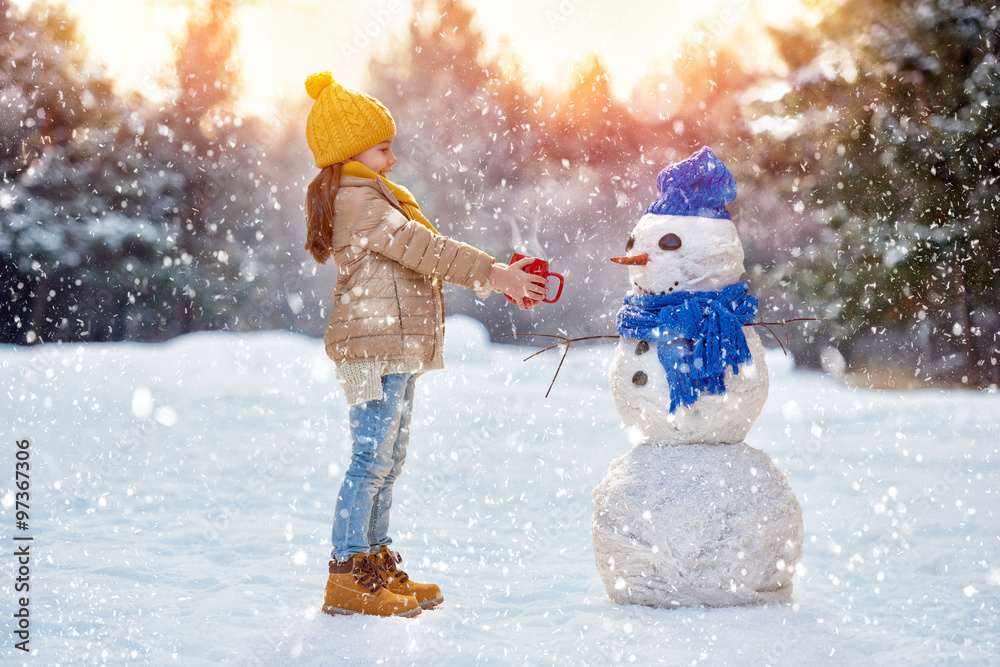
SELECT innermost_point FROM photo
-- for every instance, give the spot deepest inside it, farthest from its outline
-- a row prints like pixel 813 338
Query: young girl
pixel 386 326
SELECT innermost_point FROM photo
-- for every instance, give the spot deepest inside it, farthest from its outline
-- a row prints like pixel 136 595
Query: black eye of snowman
pixel 670 242
pixel 629 243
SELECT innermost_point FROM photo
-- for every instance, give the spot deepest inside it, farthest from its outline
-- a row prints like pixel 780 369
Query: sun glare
pixel 281 42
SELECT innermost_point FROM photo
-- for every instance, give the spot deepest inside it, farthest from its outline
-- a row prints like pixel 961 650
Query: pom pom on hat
pixel 315 83
pixel 701 186
pixel 343 122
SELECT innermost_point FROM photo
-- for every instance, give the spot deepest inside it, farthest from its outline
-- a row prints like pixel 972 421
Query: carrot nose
pixel 632 260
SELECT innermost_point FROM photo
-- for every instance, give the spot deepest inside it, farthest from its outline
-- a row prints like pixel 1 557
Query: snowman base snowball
pixel 688 525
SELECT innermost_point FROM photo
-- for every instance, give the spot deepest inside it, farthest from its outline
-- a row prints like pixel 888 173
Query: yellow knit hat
pixel 343 122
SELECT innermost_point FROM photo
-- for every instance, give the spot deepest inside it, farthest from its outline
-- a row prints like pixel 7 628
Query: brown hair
pixel 319 212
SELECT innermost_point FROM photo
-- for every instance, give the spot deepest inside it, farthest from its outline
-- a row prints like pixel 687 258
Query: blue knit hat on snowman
pixel 701 185
pixel 699 334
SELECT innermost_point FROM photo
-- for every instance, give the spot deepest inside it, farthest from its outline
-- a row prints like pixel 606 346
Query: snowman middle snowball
pixel 667 254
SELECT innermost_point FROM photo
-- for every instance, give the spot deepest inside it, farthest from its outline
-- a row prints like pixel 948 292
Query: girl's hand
pixel 519 284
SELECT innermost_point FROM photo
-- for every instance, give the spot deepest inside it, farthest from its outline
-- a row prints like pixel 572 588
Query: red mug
pixel 539 267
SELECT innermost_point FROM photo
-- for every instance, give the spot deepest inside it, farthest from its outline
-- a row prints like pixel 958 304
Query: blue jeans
pixel 381 431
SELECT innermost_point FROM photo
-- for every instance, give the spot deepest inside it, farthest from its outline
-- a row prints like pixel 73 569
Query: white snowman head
pixel 682 253
pixel 686 241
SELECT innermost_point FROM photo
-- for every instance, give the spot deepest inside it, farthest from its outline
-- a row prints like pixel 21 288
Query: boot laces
pixel 368 573
pixel 392 561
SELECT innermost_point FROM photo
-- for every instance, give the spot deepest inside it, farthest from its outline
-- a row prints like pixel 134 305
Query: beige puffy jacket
pixel 388 302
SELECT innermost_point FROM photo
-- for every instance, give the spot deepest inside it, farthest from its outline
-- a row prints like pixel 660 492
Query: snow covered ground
pixel 181 496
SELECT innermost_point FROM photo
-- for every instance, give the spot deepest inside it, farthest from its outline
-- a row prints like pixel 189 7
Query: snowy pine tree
pixel 898 107
pixel 123 219
pixel 69 239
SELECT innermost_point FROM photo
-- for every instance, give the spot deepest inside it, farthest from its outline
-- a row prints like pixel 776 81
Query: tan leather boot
pixel 358 586
pixel 397 581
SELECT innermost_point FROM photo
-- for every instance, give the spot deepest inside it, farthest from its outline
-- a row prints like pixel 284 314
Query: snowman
pixel 692 515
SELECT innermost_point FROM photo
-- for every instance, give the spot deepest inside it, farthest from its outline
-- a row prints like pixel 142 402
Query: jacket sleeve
pixel 378 227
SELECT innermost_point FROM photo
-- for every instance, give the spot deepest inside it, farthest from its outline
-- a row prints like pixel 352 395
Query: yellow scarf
pixel 402 195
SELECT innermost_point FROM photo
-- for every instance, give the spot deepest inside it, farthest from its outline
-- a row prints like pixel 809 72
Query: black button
pixel 642 347
pixel 639 379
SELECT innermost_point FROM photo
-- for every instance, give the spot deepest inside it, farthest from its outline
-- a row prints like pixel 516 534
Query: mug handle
pixel 558 293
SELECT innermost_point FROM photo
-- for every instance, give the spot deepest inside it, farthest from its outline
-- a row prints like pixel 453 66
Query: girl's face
pixel 378 158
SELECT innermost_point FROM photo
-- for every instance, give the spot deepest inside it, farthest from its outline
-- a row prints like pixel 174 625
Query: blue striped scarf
pixel 700 335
